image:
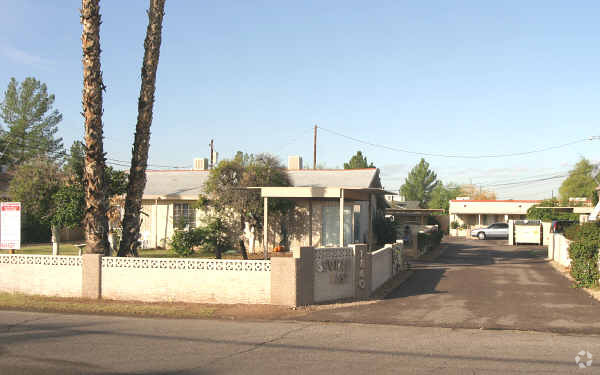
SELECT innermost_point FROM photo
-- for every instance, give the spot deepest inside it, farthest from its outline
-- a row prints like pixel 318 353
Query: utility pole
pixel 212 148
pixel 315 149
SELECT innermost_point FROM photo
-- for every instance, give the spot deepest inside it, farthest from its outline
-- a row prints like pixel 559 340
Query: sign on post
pixel 10 225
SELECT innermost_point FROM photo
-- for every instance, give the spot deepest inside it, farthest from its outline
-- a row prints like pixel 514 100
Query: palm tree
pixel 95 220
pixel 139 158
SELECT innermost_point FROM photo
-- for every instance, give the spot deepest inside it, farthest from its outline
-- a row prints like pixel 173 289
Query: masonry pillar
pixel 91 267
pixel 362 271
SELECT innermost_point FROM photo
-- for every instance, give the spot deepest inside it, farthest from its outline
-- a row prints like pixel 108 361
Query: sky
pixel 461 78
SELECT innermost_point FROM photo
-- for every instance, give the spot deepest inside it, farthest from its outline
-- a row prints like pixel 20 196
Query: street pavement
pixel 37 343
pixel 481 308
pixel 482 284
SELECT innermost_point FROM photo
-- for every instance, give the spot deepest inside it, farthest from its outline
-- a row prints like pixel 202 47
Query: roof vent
pixel 294 163
pixel 200 164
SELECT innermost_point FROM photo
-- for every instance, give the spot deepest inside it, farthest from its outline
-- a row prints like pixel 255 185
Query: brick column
pixel 91 286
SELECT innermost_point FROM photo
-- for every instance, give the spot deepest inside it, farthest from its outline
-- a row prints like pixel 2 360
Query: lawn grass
pixel 21 302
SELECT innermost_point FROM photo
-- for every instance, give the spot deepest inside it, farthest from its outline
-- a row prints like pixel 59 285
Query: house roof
pixel 182 184
pixel 355 178
pixel 188 184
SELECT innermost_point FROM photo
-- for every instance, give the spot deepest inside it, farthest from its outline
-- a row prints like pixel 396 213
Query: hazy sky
pixel 458 78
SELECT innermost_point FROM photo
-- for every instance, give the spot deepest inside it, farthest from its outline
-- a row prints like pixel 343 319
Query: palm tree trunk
pixel 139 159
pixel 96 204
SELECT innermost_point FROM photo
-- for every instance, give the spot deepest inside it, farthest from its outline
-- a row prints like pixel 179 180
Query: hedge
pixel 583 251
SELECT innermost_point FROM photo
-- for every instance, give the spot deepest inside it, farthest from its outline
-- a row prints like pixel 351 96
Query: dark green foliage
pixel 183 242
pixel 358 161
pixel 33 230
pixel 429 241
pixel 31 123
pixel 582 182
pixel 68 204
pixel 419 184
pixel 441 196
pixel 583 252
pixel 384 230
pixel 454 225
pixel 215 236
pixel 549 214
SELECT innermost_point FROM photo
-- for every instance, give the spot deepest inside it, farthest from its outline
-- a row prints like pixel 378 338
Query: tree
pixel 31 123
pixel 96 203
pixel 441 196
pixel 581 182
pixel 34 184
pixel 358 161
pixel 237 206
pixel 419 184
pixel 476 193
pixel 139 159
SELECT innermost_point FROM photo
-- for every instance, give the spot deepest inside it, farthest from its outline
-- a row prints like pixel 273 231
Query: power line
pixel 396 149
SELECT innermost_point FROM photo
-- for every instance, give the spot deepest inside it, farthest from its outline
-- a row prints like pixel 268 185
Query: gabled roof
pixel 188 184
pixel 182 184
pixel 355 178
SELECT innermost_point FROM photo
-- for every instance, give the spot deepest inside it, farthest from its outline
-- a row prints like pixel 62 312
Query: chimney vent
pixel 294 163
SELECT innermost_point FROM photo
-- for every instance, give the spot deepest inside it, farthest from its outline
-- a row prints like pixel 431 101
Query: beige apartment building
pixel 467 212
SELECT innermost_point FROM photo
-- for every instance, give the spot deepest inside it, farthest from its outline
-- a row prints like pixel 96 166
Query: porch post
pixel 266 227
pixel 310 224
pixel 341 217
pixel 479 219
pixel 370 235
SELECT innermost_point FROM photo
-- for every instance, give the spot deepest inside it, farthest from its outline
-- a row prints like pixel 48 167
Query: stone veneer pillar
pixel 362 271
pixel 91 286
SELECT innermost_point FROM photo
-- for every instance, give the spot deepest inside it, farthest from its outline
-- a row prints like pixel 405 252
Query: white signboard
pixel 10 225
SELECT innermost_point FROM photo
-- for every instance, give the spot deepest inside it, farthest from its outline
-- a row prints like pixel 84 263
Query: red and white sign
pixel 10 225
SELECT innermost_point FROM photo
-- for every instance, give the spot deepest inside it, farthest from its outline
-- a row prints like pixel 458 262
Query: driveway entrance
pixel 482 284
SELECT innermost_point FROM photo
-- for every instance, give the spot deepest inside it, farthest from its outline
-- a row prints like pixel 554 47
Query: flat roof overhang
pixel 413 211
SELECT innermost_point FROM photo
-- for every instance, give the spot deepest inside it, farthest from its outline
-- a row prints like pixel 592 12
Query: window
pixel 183 216
pixel 330 227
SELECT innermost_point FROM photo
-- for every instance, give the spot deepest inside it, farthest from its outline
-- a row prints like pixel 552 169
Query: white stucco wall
pixel 334 274
pixel 41 274
pixel 558 249
pixel 186 280
pixel 381 267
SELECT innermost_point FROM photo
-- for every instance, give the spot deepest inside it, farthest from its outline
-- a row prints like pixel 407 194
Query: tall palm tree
pixel 139 158
pixel 96 204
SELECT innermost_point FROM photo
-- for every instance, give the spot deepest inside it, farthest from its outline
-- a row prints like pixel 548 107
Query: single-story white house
pixel 318 193
pixel 467 212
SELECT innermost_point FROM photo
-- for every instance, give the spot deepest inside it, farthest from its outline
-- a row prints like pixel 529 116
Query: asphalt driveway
pixel 482 284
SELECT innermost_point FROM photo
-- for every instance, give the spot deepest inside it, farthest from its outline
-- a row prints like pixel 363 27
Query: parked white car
pixel 494 231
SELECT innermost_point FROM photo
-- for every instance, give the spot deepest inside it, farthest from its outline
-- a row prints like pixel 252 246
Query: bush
pixel 549 214
pixel 183 242
pixel 384 229
pixel 427 241
pixel 455 225
pixel 583 252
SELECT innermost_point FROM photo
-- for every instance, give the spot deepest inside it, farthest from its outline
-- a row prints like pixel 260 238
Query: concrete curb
pixel 595 294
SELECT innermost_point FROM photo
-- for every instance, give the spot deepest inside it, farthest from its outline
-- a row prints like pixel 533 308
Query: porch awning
pixel 319 192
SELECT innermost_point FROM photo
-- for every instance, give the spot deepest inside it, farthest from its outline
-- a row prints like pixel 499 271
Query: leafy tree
pixel 139 158
pixel 419 184
pixel 96 202
pixel 358 161
pixel 237 206
pixel 34 184
pixel 581 182
pixel 476 192
pixel 441 196
pixel 31 123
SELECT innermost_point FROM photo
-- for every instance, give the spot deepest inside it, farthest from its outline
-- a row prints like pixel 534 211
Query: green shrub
pixel 183 242
pixel 426 241
pixel 455 225
pixel 583 251
pixel 385 231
